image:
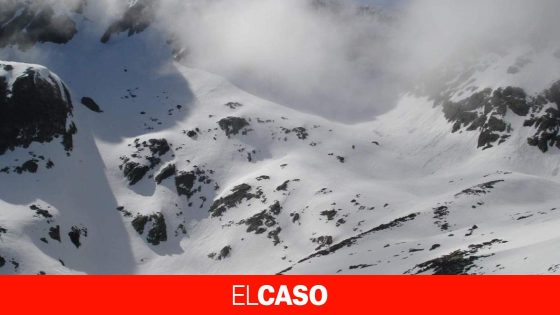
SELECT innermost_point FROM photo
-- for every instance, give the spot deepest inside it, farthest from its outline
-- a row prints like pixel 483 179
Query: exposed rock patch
pixel 233 125
pixel 265 221
pixel 136 18
pixel 138 164
pixel 486 112
pixel 480 189
pixel 23 24
pixel 54 233
pixel 190 183
pixel 459 262
pixel 75 235
pixel 222 254
pixel 237 195
pixel 165 173
pixel 157 230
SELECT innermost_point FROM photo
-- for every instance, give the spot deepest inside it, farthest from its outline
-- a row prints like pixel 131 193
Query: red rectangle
pixel 214 294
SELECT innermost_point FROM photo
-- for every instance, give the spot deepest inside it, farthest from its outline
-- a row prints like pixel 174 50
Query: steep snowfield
pixel 184 173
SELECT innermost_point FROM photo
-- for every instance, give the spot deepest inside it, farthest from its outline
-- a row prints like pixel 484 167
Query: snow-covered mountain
pixel 117 157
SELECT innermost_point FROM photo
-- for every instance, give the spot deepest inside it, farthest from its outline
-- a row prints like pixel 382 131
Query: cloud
pixel 309 55
pixel 331 58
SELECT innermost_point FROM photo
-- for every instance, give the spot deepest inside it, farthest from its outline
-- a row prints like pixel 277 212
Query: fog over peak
pixel 345 60
pixel 348 63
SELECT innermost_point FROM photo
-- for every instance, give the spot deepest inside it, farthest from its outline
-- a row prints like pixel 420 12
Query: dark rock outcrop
pixel 135 19
pixel 91 104
pixel 136 166
pixel 157 233
pixel 190 183
pixel 546 121
pixel 54 233
pixel 265 221
pixel 233 125
pixel 165 173
pixel 459 262
pixel 75 235
pixel 25 23
pixel 485 111
pixel 35 108
pixel 237 195
pixel 134 172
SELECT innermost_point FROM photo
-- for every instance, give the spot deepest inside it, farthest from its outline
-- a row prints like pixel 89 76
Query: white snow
pixel 404 162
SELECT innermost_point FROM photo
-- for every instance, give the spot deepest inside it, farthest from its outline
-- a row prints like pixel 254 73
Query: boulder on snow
pixel 91 104
pixel 233 125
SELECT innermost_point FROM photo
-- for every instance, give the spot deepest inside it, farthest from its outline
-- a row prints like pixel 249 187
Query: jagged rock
pixel 323 241
pixel 41 212
pixel 275 208
pixel 75 235
pixel 330 214
pixel 459 262
pixel 352 240
pixel 224 252
pixel 301 133
pixel 158 146
pixel 232 125
pixel 480 189
pixel 134 172
pixel 136 18
pixel 135 167
pixel 184 183
pixel 157 232
pixel 440 215
pixel 238 194
pixel 485 111
pixel 30 166
pixel 546 121
pixel 54 233
pixel 165 173
pixel 274 235
pixel 455 263
pixel 190 183
pixel 260 222
pixel 139 223
pixel 283 187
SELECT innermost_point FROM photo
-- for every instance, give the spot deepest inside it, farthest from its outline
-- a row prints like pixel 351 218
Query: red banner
pixel 278 294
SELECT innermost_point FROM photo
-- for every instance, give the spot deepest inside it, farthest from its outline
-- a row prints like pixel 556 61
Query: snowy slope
pixel 181 172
